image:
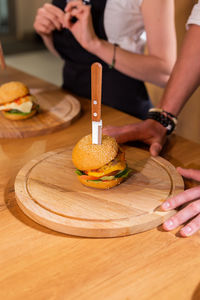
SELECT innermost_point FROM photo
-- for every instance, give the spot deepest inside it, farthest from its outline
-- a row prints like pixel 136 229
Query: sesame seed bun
pixel 87 156
pixel 17 117
pixel 101 184
pixel 12 90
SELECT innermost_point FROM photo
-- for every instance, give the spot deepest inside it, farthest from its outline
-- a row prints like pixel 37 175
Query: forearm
pixel 185 77
pixel 143 67
pixel 48 41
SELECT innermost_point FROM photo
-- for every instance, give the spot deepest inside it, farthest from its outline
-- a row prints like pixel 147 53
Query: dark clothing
pixel 118 90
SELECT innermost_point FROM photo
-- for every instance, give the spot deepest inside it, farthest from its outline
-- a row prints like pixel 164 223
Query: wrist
pixel 170 110
pixel 94 46
pixel 46 36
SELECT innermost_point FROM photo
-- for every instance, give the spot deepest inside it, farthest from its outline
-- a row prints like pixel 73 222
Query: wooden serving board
pixel 57 111
pixel 48 191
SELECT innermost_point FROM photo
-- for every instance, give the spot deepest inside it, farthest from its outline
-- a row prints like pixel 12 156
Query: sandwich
pixel 16 103
pixel 99 166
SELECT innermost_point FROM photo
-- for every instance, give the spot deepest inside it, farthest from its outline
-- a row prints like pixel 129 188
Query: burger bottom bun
pixel 17 117
pixel 104 185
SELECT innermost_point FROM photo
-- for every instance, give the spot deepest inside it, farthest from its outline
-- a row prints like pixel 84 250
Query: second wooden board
pixel 57 111
pixel 48 191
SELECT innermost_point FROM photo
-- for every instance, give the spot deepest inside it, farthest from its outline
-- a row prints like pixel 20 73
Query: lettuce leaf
pixel 122 174
pixel 16 112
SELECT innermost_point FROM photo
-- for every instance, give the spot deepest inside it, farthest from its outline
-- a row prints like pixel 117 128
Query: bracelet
pixel 168 120
pixel 155 109
pixel 114 57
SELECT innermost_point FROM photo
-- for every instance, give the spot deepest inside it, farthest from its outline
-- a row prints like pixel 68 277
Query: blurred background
pixel 24 50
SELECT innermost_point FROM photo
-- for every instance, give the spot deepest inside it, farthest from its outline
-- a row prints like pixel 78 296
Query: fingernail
pixel 166 205
pixel 169 224
pixel 187 230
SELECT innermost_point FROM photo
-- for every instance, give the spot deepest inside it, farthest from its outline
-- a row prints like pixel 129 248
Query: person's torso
pixel 118 90
pixel 118 21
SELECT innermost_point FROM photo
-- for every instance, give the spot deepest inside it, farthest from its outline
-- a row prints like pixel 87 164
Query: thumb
pixel 155 148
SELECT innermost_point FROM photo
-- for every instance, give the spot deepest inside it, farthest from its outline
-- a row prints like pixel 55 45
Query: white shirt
pixel 194 18
pixel 123 23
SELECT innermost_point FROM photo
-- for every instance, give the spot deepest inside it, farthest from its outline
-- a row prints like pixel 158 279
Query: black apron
pixel 118 90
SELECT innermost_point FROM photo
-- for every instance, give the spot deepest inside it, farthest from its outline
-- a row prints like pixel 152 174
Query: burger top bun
pixel 11 91
pixel 87 156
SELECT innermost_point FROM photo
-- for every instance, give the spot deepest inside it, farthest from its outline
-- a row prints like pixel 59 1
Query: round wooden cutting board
pixel 48 191
pixel 57 111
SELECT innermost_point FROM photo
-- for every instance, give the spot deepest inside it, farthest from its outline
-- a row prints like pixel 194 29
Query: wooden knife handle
pixel 96 88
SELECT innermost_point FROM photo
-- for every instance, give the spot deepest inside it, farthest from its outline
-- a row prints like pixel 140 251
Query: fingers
pixel 52 19
pixel 67 21
pixel 54 10
pixel 155 148
pixel 42 29
pixel 75 9
pixel 48 18
pixel 74 5
pixel 191 227
pixel 184 215
pixel 123 134
pixel 108 130
pixel 188 212
pixel 186 196
pixel 189 173
pixel 43 25
pixel 142 131
pixel 111 131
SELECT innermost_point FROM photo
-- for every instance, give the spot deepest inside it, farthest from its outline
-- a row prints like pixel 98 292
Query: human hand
pixel 48 18
pixel 148 131
pixel 191 211
pixel 82 29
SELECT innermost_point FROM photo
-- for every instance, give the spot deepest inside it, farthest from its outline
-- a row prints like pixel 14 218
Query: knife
pixel 96 88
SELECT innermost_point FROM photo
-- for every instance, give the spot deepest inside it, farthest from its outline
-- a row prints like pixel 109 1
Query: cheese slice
pixel 24 107
pixel 109 168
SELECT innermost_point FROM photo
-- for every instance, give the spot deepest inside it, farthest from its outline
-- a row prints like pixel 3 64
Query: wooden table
pixel 37 263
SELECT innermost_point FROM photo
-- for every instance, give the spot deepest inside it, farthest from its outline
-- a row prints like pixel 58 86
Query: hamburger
pixel 16 103
pixel 99 166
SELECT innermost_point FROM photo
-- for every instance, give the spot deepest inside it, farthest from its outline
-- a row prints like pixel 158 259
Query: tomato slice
pixel 18 100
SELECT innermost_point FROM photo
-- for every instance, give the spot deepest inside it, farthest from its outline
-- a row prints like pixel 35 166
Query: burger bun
pixel 17 117
pixel 12 90
pixel 88 156
pixel 101 184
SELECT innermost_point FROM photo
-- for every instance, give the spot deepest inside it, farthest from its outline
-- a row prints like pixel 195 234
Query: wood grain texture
pixel 39 263
pixel 57 111
pixel 48 191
